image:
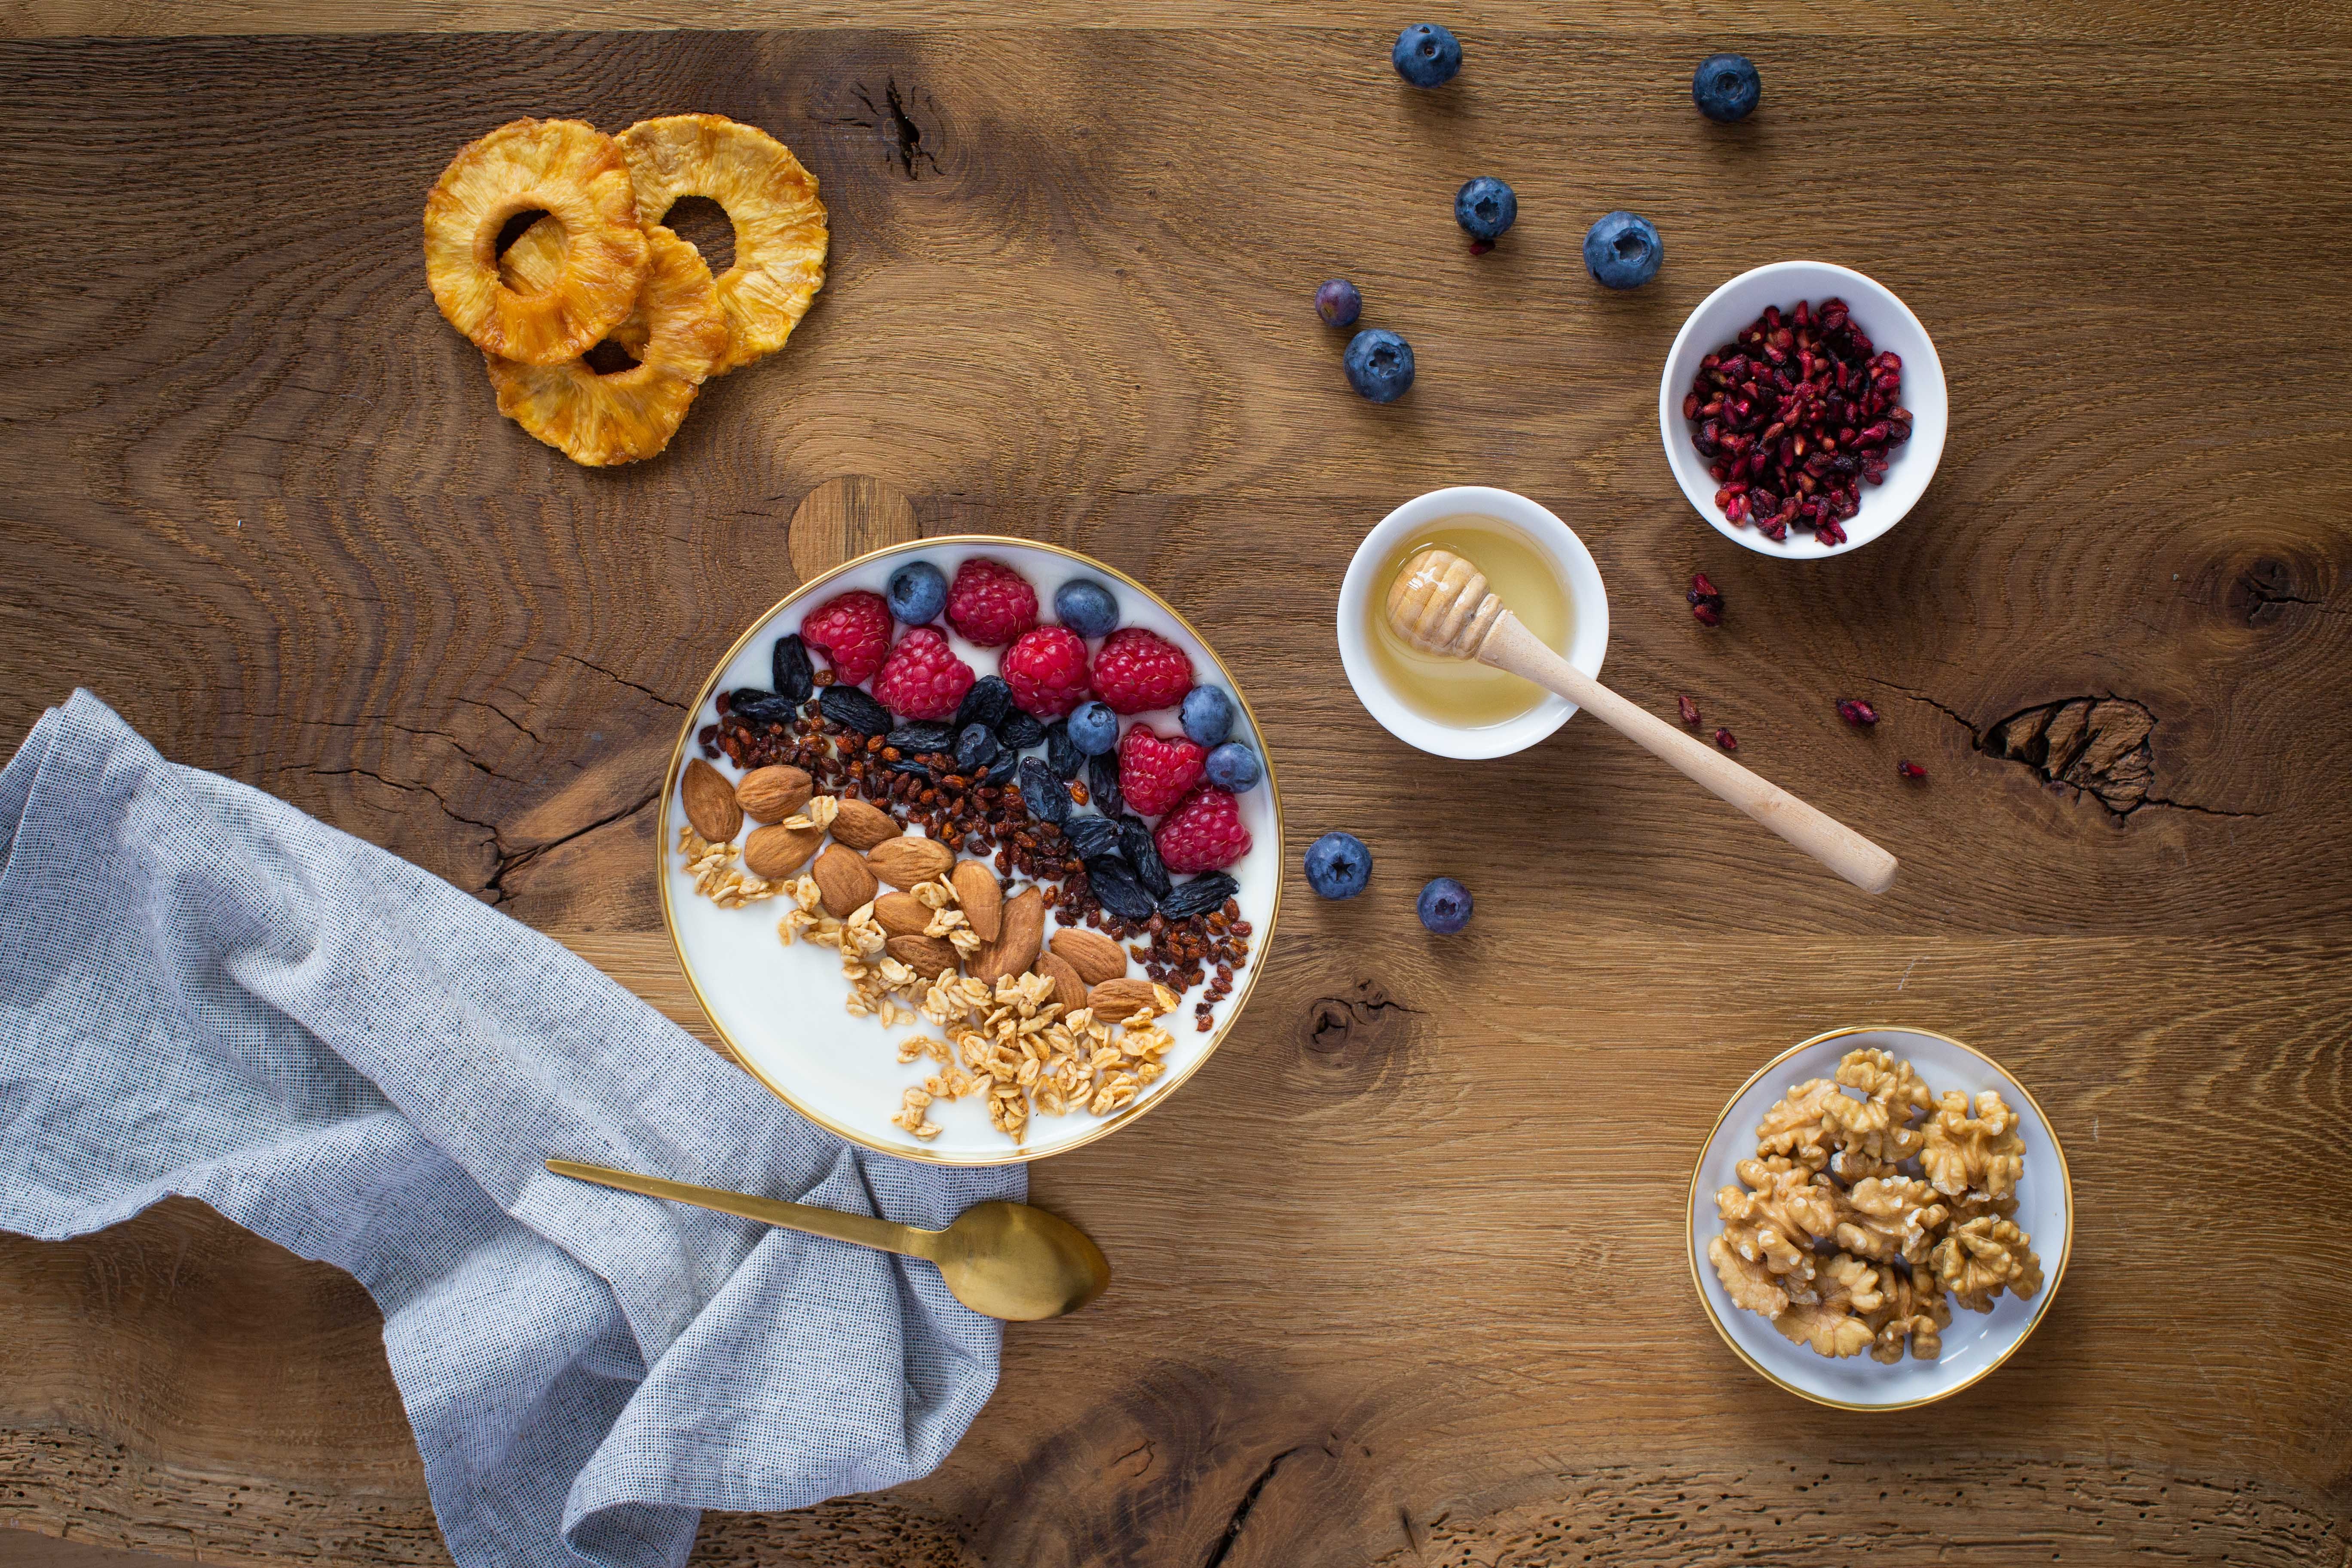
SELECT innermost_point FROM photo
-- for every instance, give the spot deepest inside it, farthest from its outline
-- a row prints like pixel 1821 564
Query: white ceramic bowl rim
pixel 1588 599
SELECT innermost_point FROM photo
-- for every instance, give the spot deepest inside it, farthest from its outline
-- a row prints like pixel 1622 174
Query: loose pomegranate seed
pixel 1730 743
pixel 1910 770
pixel 1690 711
pixel 1854 711
pixel 1705 601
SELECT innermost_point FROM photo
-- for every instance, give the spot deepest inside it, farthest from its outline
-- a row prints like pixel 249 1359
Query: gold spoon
pixel 1004 1260
pixel 1440 604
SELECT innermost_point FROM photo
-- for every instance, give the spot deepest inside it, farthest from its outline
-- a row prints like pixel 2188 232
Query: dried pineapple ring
pixel 632 413
pixel 576 173
pixel 780 224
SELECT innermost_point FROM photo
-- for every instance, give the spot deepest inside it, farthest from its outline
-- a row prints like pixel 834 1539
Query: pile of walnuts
pixel 1858 1214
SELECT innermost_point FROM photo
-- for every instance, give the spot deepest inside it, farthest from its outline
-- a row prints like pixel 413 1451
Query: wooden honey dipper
pixel 1440 604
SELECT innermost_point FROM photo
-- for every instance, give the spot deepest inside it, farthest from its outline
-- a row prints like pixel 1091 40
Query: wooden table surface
pixel 1402 1271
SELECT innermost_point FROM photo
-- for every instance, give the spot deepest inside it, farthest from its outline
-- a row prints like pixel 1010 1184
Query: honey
pixel 1460 693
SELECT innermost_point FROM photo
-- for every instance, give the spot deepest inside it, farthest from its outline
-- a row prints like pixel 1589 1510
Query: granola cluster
pixel 1869 1201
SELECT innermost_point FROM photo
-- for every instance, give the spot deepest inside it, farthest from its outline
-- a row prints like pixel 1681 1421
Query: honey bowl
pixel 1451 708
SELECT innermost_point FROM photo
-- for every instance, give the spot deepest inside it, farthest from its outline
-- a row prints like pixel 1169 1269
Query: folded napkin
pixel 204 992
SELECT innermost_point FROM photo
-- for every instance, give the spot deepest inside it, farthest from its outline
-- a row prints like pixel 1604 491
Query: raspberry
pixel 1154 774
pixel 1204 834
pixel 923 679
pixel 853 630
pixel 1139 671
pixel 990 602
pixel 1047 671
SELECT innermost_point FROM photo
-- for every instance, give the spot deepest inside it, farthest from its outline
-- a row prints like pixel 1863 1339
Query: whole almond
pixel 774 794
pixel 709 802
pixel 778 852
pixel 1069 989
pixel 903 862
pixel 902 914
pixel 1095 956
pixel 928 956
pixel 843 881
pixel 1016 944
pixel 982 900
pixel 1114 1000
pixel 862 825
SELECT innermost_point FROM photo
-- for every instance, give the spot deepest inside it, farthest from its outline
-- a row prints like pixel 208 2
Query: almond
pixel 903 862
pixel 709 802
pixel 862 825
pixel 928 956
pixel 1069 989
pixel 981 898
pixel 774 794
pixel 1116 1000
pixel 1015 947
pixel 1095 956
pixel 778 852
pixel 902 914
pixel 843 880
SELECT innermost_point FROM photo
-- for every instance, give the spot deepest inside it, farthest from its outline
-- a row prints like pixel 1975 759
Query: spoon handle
pixel 857 1229
pixel 1510 645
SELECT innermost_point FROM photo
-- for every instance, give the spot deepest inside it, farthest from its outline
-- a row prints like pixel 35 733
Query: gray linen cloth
pixel 204 992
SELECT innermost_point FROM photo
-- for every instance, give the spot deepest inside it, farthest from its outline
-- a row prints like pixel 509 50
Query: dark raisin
pixel 1092 837
pixel 921 740
pixel 1199 896
pixel 976 748
pixel 756 707
pixel 912 767
pixel 1102 781
pixel 1019 732
pixel 1042 793
pixel 795 676
pixel 1115 885
pixel 987 703
pixel 853 709
pixel 1135 842
pixel 1062 754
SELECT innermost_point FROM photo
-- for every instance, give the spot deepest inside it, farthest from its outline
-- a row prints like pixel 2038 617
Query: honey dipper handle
pixel 1510 645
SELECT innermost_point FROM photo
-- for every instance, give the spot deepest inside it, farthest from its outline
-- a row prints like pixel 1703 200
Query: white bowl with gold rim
pixel 780 1009
pixel 1454 708
pixel 1976 1342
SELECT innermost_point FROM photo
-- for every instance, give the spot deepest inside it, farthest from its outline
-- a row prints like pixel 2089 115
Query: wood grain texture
pixel 1400 1274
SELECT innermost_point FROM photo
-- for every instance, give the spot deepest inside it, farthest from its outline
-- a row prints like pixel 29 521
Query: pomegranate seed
pixel 1727 740
pixel 1690 406
pixel 1854 711
pixel 1690 711
pixel 1705 601
pixel 1910 770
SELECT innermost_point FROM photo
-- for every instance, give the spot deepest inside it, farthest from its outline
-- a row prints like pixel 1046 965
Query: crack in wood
pixel 513 861
pixel 1243 1509
pixel 895 124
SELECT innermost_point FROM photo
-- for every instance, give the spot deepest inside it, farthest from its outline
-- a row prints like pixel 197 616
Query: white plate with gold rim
pixel 779 1010
pixel 1976 1342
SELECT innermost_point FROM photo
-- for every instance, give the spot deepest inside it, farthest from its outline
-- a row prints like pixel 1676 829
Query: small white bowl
pixel 1550 538
pixel 1891 325
pixel 1977 1342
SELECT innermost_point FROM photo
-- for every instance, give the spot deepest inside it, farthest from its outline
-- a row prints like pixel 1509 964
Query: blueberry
pixel 1094 727
pixel 1445 906
pixel 1234 768
pixel 1042 793
pixel 1086 608
pixel 1338 303
pixel 1207 715
pixel 976 748
pixel 1623 250
pixel 1725 87
pixel 1379 364
pixel 1338 865
pixel 919 591
pixel 1020 730
pixel 1426 55
pixel 1485 207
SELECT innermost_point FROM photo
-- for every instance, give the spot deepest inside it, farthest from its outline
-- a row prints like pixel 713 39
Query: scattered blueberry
pixel 1338 865
pixel 1094 727
pixel 1086 608
pixel 1062 754
pixel 1042 793
pixel 976 748
pixel 1207 715
pixel 1338 303
pixel 1379 364
pixel 1725 87
pixel 1445 906
pixel 1623 250
pixel 1020 730
pixel 1234 768
pixel 1485 207
pixel 917 593
pixel 1426 55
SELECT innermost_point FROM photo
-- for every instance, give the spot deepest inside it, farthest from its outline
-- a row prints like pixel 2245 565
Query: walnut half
pixel 1980 1153
pixel 1979 1260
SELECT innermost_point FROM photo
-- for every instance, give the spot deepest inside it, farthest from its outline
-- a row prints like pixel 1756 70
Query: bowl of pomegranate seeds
pixel 1803 409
